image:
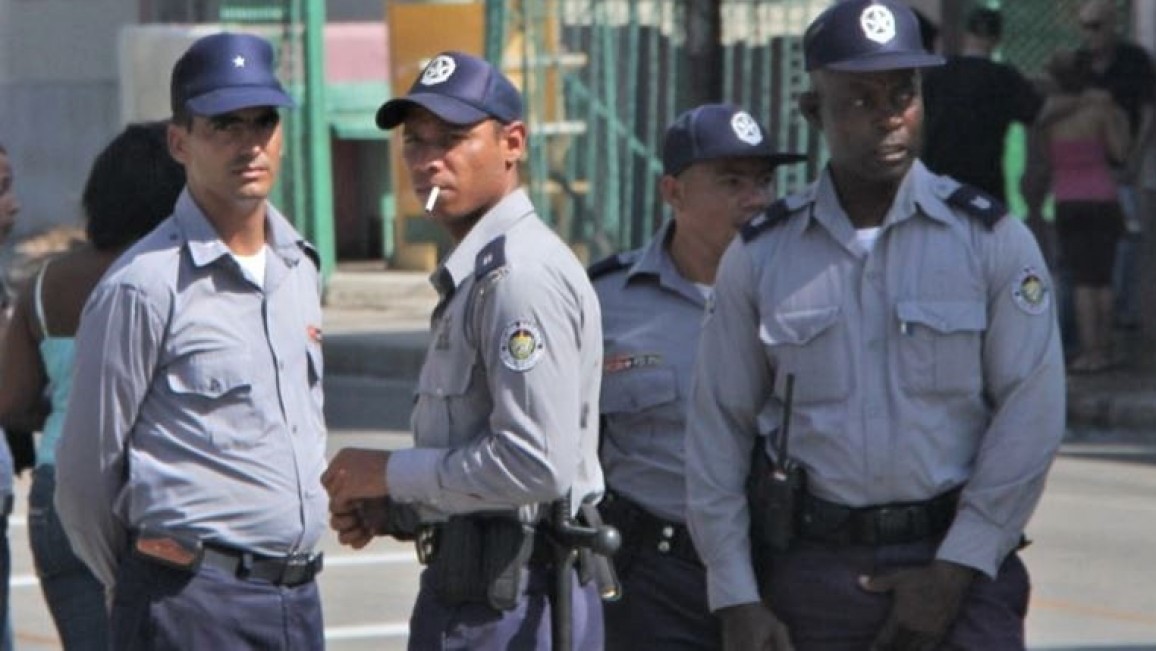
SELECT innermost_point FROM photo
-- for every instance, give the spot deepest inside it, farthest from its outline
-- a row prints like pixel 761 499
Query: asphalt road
pixel 1093 560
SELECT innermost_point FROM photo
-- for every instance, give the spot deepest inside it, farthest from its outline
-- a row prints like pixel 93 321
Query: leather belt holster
pixel 480 559
pixel 889 524
pixel 642 530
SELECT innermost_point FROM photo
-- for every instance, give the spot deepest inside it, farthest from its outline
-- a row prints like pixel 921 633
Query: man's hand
pixel 351 528
pixel 926 601
pixel 355 474
pixel 753 627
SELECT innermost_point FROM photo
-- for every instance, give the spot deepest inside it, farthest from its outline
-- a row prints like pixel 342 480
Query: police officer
pixel 718 166
pixel 188 468
pixel 914 320
pixel 506 417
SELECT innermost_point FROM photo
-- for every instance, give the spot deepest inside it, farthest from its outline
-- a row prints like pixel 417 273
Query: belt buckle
pixel 893 524
pixel 297 569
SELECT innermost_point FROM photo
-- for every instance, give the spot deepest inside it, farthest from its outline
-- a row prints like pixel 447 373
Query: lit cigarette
pixel 432 198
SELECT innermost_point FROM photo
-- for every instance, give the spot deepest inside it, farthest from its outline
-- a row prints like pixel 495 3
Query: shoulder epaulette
pixel 310 253
pixel 978 204
pixel 491 258
pixel 774 215
pixel 610 264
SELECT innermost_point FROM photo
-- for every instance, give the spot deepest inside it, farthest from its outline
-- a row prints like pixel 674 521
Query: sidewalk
pixel 383 347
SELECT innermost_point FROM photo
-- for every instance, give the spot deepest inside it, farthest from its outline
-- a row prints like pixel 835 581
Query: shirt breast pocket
pixel 644 405
pixel 443 391
pixel 215 390
pixel 807 344
pixel 940 347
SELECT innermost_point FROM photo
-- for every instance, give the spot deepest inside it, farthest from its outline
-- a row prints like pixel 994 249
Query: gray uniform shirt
pixel 196 404
pixel 931 362
pixel 507 397
pixel 651 319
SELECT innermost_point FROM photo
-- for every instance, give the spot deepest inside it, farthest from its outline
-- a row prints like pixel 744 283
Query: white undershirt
pixel 867 237
pixel 254 265
pixel 705 289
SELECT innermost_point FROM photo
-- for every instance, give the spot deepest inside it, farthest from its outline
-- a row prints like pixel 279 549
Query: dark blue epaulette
pixel 310 253
pixel 491 258
pixel 611 263
pixel 775 214
pixel 978 204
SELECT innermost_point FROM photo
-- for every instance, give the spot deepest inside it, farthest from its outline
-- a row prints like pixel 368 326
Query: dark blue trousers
pixel 435 626
pixel 663 605
pixel 158 608
pixel 815 590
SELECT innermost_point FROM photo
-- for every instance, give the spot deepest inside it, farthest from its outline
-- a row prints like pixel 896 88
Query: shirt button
pixel 664 547
pixel 441 392
pixel 668 532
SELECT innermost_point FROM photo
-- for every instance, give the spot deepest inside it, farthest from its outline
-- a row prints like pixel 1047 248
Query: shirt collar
pixel 915 196
pixel 205 245
pixel 498 220
pixel 655 261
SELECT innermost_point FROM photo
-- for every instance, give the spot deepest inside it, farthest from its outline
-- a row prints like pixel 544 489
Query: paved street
pixel 1093 561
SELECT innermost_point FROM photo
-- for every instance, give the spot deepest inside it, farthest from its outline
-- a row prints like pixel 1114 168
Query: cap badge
pixel 438 70
pixel 239 61
pixel 878 23
pixel 746 128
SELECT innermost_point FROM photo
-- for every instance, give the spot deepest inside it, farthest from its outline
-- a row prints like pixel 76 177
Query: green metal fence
pixel 614 73
pixel 304 190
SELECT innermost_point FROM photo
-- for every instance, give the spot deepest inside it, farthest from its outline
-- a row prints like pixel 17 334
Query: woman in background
pixel 1079 134
pixel 131 188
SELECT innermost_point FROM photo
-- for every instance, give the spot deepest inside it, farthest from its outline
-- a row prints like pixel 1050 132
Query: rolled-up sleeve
pixel 116 351
pixel 731 384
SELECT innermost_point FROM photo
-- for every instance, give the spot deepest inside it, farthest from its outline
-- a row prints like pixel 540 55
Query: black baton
pixel 569 537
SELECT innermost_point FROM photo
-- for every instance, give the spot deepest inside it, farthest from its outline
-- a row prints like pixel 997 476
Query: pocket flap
pixel 211 374
pixel 638 389
pixel 800 326
pixel 945 316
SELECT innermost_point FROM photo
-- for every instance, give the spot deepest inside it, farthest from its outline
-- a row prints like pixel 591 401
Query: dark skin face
pixel 474 166
pixel 873 124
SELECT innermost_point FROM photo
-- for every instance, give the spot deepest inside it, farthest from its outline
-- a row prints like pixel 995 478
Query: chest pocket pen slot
pixel 940 346
pixel 216 390
pixel 808 344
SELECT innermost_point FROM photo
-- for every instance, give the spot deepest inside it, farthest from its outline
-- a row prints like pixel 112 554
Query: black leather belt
pixel 890 524
pixel 288 571
pixel 642 530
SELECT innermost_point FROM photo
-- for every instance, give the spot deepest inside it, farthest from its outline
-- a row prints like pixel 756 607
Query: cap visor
pixel 227 100
pixel 888 61
pixel 454 111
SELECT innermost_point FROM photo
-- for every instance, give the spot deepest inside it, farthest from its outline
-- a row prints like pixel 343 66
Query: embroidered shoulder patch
pixel 521 346
pixel 1030 293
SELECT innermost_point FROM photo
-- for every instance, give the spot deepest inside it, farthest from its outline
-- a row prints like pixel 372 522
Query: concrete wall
pixel 58 98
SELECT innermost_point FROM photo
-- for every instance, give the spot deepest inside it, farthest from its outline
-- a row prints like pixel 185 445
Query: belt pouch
pixel 457 571
pixel 508 545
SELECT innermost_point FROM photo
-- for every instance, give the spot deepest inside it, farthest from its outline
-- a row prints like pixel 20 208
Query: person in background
pixel 1126 71
pixel 188 470
pixel 131 188
pixel 9 207
pixel 718 172
pixel 1082 133
pixel 970 103
pixel 903 326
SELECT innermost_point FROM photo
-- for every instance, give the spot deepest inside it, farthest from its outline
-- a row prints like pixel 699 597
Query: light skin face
pixel 873 124
pixel 231 161
pixel 9 205
pixel 474 166
pixel 711 200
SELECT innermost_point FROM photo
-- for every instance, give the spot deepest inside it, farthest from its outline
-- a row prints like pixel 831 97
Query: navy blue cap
pixel 714 131
pixel 458 88
pixel 226 72
pixel 866 36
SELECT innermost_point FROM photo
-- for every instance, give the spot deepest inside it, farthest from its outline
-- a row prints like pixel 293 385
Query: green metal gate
pixel 603 78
